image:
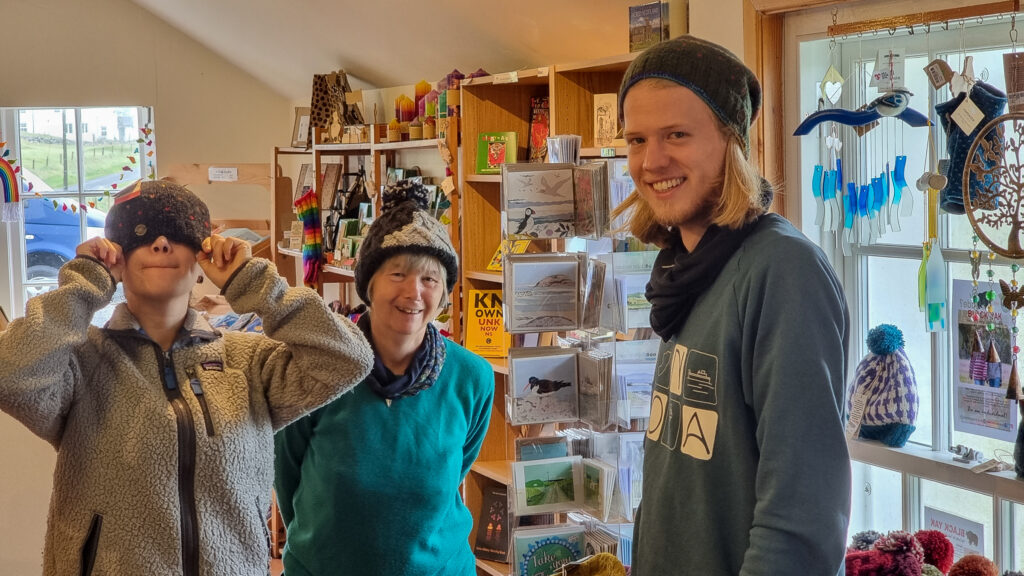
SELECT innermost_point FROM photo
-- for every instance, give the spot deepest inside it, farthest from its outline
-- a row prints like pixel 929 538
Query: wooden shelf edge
pixel 409 144
pixel 595 152
pixel 498 470
pixel 363 147
pixel 289 251
pixel 500 365
pixel 487 276
pixel 292 150
pixel 608 63
pixel 339 271
pixel 493 568
pixel 496 178
pixel 527 76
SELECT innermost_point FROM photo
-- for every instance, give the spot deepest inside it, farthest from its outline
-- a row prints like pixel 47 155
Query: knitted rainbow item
pixel 886 380
pixel 312 238
pixel 9 186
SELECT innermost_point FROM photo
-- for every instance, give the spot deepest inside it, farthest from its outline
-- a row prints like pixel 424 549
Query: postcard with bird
pixel 538 200
pixel 543 385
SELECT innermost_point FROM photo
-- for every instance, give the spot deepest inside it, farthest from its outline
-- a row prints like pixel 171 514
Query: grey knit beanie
pixel 404 226
pixel 713 73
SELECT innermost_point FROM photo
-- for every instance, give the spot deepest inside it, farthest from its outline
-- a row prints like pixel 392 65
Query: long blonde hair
pixel 739 202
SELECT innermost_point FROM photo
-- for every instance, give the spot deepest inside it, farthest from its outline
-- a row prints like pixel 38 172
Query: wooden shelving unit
pixel 496 103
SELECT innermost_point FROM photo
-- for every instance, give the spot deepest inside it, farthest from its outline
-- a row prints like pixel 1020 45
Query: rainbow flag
pixel 9 186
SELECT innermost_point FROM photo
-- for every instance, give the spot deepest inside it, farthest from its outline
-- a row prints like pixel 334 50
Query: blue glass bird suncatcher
pixel 891 104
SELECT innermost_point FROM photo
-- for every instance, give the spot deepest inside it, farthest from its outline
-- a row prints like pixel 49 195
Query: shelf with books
pixel 498 470
pixel 493 568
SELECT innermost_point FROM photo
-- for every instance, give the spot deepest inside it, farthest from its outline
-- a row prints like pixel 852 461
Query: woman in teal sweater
pixel 369 484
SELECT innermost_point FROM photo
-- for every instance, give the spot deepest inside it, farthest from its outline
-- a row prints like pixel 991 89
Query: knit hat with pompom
pixel 885 379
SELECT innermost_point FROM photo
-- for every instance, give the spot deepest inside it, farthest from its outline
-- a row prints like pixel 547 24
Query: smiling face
pixel 676 154
pixel 160 272
pixel 406 293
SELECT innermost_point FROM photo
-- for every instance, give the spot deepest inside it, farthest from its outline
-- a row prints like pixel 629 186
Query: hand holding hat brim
pixel 221 257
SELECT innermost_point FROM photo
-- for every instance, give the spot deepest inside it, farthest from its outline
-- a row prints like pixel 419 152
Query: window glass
pixel 972 507
pixel 876 500
pixel 897 303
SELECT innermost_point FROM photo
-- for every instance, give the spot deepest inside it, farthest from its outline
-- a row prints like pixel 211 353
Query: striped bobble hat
pixel 886 379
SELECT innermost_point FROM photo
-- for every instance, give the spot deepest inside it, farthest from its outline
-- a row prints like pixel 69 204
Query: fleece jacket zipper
pixel 186 466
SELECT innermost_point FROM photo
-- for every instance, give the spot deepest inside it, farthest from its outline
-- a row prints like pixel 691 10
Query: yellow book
pixel 517 247
pixel 485 325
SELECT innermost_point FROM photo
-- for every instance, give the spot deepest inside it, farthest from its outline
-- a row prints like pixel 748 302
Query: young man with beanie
pixel 746 469
pixel 164 426
pixel 369 484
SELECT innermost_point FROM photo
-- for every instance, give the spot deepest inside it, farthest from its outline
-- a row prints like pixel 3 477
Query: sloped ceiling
pixel 383 43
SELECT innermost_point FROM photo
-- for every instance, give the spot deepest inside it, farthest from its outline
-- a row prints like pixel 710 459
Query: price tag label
pixel 222 174
pixel 506 78
pixel 967 115
pixel 856 415
pixel 448 185
pixel 608 152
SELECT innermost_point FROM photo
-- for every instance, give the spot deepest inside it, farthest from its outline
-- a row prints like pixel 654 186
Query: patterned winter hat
pixel 404 226
pixel 886 380
pixel 147 210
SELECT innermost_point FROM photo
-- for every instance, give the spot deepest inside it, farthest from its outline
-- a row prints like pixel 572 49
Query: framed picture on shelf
pixel 551 485
pixel 542 385
pixel 538 200
pixel 542 293
pixel 300 128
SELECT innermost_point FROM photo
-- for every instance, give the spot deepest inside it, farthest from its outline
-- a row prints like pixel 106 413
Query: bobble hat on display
pixel 404 226
pixel 885 379
pixel 147 210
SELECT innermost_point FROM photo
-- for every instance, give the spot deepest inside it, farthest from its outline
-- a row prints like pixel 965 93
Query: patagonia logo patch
pixel 213 365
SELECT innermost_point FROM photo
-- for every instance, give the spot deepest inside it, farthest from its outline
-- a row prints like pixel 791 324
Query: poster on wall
pixel 982 359
pixel 968 537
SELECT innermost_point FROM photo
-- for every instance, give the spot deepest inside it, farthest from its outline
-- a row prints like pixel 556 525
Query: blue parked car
pixel 51 236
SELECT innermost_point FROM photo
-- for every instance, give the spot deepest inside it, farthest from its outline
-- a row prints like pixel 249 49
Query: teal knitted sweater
pixel 365 488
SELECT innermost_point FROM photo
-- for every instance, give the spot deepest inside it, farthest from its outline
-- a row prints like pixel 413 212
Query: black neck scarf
pixel 422 372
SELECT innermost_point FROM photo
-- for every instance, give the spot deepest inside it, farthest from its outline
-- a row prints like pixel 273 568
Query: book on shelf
pixel 485 329
pixel 495 149
pixel 492 540
pixel 543 550
pixel 506 247
pixel 539 128
pixel 648 25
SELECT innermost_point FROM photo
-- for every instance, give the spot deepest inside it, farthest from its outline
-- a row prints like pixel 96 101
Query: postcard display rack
pixel 558 476
pixel 338 165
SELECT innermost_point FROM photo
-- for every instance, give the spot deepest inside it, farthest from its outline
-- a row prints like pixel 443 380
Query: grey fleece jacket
pixel 165 459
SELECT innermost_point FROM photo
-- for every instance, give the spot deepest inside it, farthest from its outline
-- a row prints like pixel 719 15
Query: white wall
pixel 720 21
pixel 105 53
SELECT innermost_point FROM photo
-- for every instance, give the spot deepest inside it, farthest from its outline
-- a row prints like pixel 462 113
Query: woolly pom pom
pixel 404 191
pixel 900 542
pixel 929 570
pixel 938 550
pixel 974 565
pixel 864 540
pixel 1013 573
pixel 884 339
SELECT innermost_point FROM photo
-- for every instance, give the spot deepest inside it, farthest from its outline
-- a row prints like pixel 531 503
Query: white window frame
pixel 12 235
pixel 913 462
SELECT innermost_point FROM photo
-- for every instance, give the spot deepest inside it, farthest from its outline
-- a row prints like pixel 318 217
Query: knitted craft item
pixel 895 554
pixel 886 380
pixel 149 209
pixel 864 540
pixel 308 210
pixel 404 226
pixel 713 73
pixel 929 570
pixel 974 565
pixel 991 101
pixel 938 550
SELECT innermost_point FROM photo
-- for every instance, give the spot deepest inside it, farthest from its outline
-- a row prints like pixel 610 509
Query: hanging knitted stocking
pixel 991 101
pixel 312 239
